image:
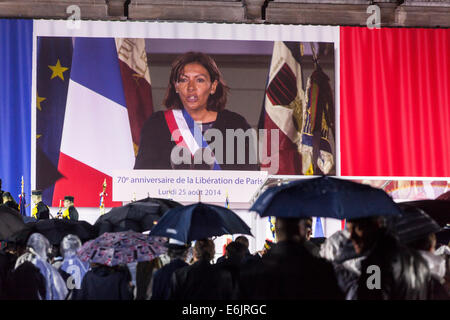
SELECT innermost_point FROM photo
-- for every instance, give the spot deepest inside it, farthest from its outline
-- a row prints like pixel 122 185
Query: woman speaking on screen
pixel 196 131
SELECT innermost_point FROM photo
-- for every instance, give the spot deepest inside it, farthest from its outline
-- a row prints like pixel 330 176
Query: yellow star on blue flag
pixel 38 101
pixel 58 70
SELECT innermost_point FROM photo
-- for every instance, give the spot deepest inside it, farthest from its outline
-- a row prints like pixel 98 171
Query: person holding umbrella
pixel 102 282
pixel 177 252
pixel 288 270
pixel 402 273
pixel 417 230
pixel 109 254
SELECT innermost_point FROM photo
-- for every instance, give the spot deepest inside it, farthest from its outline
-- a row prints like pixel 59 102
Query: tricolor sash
pixel 186 133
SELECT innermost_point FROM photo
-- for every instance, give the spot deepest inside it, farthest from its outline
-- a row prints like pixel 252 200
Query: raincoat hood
pixel 69 246
pixel 40 245
pixel 37 249
pixel 435 263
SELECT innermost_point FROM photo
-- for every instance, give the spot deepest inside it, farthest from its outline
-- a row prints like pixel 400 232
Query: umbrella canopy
pixel 445 196
pixel 439 210
pixel 199 221
pixel 138 216
pixel 10 222
pixel 414 224
pixel 325 197
pixel 116 248
pixel 165 204
pixel 55 230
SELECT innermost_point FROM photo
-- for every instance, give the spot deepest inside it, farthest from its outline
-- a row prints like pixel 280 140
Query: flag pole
pixel 102 198
pixel 22 200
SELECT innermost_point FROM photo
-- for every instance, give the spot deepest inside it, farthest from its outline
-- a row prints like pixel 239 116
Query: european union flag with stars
pixel 54 61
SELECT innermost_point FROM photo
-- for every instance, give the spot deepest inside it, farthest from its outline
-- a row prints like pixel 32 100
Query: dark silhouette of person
pixel 288 270
pixel 163 276
pixel 403 273
pixel 202 280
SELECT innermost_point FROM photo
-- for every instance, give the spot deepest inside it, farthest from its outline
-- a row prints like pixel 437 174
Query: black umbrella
pixel 137 216
pixel 325 197
pixel 10 222
pixel 439 210
pixel 55 230
pixel 199 221
pixel 165 204
pixel 414 224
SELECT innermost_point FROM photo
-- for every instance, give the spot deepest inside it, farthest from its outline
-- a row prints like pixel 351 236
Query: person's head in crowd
pixel 199 70
pixel 68 201
pixel 243 240
pixel 69 245
pixel 291 229
pixel 364 232
pixel 235 251
pixel 415 228
pixel 204 250
pixel 177 249
pixel 40 245
pixel 308 228
pixel 426 243
pixel 7 197
pixel 36 196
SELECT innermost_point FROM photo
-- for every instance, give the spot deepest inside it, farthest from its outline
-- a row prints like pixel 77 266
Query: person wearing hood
pixel 71 267
pixel 338 249
pixel 38 248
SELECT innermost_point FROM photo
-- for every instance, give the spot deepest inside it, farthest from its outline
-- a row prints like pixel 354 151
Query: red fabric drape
pixel 395 102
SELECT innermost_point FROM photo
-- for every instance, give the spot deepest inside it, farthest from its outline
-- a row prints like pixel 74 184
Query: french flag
pixel 96 137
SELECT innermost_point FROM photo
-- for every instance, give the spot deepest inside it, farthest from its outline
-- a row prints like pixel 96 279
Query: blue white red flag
pixel 186 133
pixel 96 136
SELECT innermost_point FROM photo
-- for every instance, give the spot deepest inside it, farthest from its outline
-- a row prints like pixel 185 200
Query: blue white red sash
pixel 185 132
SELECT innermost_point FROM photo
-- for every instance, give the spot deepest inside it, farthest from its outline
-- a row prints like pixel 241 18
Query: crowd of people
pixel 344 266
pixel 374 258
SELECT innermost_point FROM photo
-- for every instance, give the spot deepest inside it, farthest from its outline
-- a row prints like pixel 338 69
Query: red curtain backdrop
pixel 395 102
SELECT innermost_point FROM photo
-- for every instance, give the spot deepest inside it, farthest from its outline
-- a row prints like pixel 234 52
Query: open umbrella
pixel 136 216
pixel 445 196
pixel 325 197
pixel 116 248
pixel 10 222
pixel 55 230
pixel 439 210
pixel 199 221
pixel 165 204
pixel 414 224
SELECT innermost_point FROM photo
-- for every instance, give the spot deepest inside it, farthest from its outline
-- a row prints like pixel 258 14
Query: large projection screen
pixel 92 96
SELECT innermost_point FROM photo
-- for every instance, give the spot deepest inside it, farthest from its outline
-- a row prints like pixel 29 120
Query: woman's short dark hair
pixel 216 101
pixel 204 249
